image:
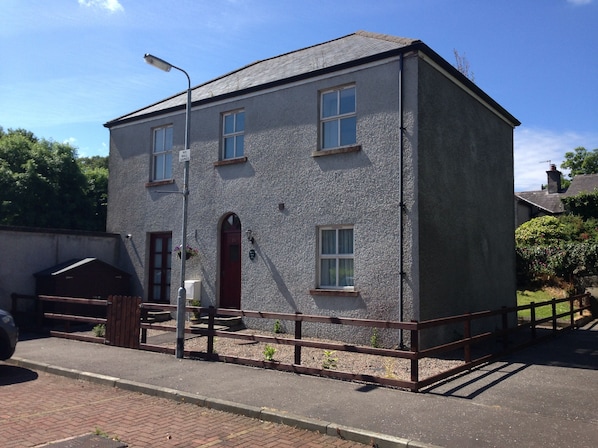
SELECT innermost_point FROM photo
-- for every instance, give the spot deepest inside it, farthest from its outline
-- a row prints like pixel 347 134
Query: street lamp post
pixel 184 156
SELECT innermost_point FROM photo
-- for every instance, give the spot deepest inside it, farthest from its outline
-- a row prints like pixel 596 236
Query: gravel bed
pixel 356 363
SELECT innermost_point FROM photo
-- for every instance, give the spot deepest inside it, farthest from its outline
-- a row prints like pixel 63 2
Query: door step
pixel 201 326
pixel 158 316
pixel 226 323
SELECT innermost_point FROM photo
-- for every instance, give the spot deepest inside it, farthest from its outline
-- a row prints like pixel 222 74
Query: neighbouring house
pixel 547 201
pixel 362 177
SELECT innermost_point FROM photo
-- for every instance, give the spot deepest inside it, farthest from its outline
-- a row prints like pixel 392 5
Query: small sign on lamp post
pixel 184 155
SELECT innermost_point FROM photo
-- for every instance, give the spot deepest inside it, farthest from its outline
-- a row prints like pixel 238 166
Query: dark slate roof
pixel 582 183
pixel 351 50
pixel 551 202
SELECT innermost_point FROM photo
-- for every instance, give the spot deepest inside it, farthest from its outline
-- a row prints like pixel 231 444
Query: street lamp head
pixel 157 62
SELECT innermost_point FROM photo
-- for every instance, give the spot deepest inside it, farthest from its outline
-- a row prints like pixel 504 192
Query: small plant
pixel 98 432
pixel 269 352
pixel 278 327
pixel 329 360
pixel 375 339
pixel 196 314
pixel 389 366
pixel 99 330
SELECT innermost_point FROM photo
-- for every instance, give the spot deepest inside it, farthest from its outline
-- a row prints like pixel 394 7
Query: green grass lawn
pixel 525 297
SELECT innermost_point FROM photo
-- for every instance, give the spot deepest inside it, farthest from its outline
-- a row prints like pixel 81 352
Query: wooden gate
pixel 123 321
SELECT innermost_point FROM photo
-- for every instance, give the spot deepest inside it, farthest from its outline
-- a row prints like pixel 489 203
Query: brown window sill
pixel 333 292
pixel 230 161
pixel 330 152
pixel 158 183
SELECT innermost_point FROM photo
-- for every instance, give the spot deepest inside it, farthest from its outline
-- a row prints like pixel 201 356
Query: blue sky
pixel 69 66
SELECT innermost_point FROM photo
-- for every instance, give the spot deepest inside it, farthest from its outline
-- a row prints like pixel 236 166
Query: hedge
pixel 566 260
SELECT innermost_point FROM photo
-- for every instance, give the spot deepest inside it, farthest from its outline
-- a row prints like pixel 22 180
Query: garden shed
pixel 83 277
pixel 88 278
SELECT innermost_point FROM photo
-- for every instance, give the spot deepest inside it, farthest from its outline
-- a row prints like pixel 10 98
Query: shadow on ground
pixel 577 349
pixel 14 375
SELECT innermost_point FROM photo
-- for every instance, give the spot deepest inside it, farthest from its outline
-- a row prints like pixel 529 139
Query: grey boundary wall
pixel 25 251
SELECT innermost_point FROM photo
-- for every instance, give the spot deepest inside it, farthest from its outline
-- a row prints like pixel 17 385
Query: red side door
pixel 159 272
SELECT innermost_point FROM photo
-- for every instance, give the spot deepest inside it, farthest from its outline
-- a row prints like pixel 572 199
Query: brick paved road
pixel 37 408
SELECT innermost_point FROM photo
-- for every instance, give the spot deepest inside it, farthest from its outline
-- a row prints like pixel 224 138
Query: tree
pixel 43 185
pixel 94 162
pixel 551 248
pixel 552 230
pixel 584 205
pixel 95 170
pixel 463 65
pixel 540 231
pixel 581 161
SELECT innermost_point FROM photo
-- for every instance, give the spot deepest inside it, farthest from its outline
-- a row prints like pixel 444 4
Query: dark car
pixel 9 333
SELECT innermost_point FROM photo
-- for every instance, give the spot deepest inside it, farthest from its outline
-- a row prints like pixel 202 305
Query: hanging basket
pixel 189 252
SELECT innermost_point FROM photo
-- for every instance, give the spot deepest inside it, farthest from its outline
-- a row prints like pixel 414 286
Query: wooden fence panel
pixel 123 321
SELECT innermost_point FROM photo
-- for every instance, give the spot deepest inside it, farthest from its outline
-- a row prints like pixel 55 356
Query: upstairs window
pixel 233 135
pixel 336 258
pixel 162 153
pixel 338 119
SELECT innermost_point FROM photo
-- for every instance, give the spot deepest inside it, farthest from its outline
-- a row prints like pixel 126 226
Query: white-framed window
pixel 162 153
pixel 233 135
pixel 338 119
pixel 335 258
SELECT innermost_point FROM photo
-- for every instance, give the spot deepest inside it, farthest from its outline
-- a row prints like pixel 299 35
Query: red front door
pixel 230 263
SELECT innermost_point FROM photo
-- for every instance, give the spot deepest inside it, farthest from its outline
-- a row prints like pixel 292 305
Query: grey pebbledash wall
pixel 359 188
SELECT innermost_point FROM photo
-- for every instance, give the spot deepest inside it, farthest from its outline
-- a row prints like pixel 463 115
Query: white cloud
pixel 110 5
pixel 579 2
pixel 71 141
pixel 535 149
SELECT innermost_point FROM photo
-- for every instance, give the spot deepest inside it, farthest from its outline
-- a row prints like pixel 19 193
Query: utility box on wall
pixel 193 289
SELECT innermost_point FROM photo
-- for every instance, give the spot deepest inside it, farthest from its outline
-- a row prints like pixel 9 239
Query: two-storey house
pixel 361 177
